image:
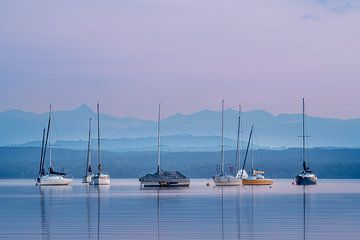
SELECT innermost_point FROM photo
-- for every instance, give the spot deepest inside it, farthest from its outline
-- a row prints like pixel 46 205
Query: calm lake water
pixel 329 210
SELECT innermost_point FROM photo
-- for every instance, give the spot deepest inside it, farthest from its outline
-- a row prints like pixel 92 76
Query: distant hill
pixel 18 162
pixel 176 143
pixel 18 127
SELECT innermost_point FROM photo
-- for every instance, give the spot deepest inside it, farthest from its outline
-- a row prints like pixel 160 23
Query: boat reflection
pixel 46 193
pixel 231 210
pixel 93 200
pixel 99 190
pixel 45 224
pixel 238 212
pixel 252 213
pixel 248 209
pixel 88 209
pixel 94 195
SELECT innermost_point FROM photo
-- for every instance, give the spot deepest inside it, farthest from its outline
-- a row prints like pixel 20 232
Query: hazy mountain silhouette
pixel 17 127
pixel 173 143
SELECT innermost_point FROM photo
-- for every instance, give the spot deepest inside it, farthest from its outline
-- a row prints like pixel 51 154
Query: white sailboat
pixel 306 176
pixel 89 173
pixel 240 172
pixel 52 177
pixel 99 178
pixel 222 179
pixel 163 178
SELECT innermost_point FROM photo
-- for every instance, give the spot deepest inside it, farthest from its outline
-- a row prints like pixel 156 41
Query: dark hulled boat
pixel 306 176
pixel 163 178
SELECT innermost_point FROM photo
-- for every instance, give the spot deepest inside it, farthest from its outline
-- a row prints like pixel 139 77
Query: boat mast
pixel 98 137
pixel 247 151
pixel 88 158
pixel 46 141
pixel 303 132
pixel 158 140
pixel 238 143
pixel 222 138
pixel 50 155
pixel 42 153
pixel 252 155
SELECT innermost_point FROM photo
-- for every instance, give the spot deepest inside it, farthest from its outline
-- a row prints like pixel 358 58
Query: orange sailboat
pixel 256 177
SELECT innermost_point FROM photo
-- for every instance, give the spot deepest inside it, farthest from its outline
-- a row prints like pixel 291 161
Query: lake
pixel 329 210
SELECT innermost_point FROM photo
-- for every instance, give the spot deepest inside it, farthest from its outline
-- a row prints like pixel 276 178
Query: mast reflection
pixel 88 210
pixel 252 212
pixel 158 214
pixel 45 220
pixel 100 190
pixel 222 213
pixel 98 211
pixel 304 212
pixel 46 202
pixel 238 212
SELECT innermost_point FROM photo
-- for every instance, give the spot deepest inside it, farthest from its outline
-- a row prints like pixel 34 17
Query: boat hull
pixel 167 183
pixel 300 180
pixel 53 181
pixel 88 178
pixel 101 179
pixel 257 181
pixel 227 181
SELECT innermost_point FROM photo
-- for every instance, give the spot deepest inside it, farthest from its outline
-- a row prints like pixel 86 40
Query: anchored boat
pixel 256 177
pixel 99 178
pixel 89 173
pixel 163 178
pixel 222 179
pixel 306 176
pixel 52 177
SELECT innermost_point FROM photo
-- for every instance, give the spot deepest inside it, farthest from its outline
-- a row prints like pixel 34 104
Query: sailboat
pixel 240 173
pixel 256 177
pixel 89 173
pixel 306 176
pixel 222 179
pixel 52 177
pixel 163 178
pixel 99 178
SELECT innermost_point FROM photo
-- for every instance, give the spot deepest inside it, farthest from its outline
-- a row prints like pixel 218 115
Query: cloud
pixel 310 17
pixel 340 5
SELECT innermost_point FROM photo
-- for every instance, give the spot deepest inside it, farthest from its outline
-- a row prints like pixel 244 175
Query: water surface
pixel 329 210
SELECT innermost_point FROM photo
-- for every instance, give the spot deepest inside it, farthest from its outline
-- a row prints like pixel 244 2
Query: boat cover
pixel 163 176
pixel 52 171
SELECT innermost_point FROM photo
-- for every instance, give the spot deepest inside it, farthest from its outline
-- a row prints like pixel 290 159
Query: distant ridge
pixel 174 143
pixel 22 162
pixel 19 127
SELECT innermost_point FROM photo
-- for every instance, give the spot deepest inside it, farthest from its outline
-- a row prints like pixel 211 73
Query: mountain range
pixel 276 131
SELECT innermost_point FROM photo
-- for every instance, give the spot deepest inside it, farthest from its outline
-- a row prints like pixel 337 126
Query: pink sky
pixel 189 54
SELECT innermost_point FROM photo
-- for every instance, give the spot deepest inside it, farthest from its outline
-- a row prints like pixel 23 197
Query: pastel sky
pixel 189 54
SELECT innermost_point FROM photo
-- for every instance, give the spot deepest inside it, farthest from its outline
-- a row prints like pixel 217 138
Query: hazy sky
pixel 189 54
